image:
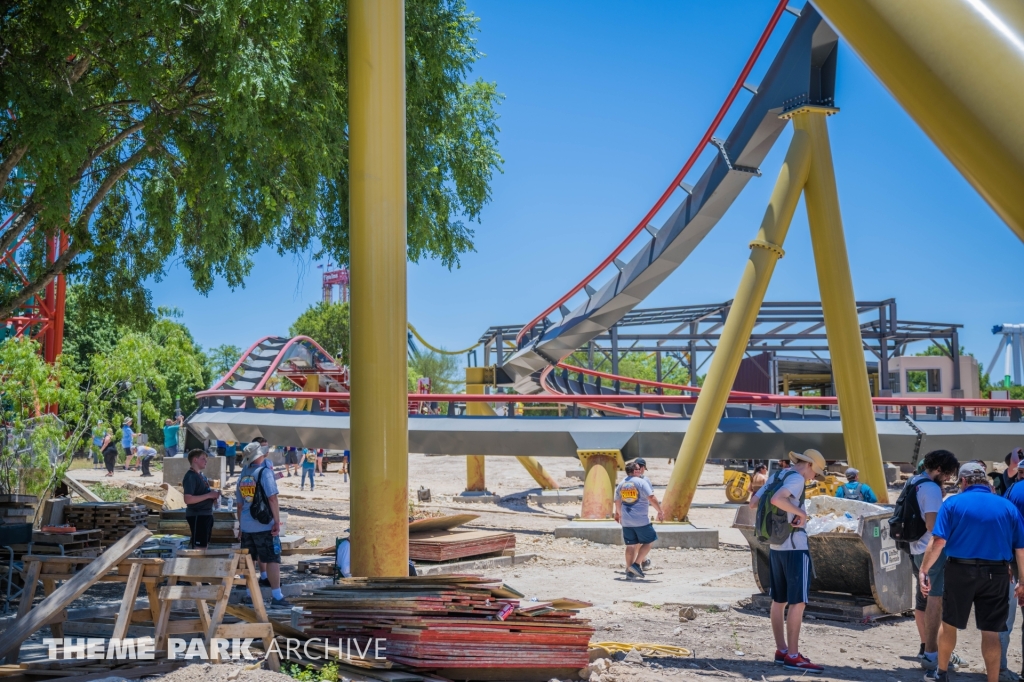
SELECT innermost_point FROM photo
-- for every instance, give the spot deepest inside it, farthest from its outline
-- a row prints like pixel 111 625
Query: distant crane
pixel 1013 342
pixel 335 278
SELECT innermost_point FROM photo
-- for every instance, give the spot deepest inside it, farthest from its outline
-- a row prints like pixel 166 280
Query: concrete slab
pixel 576 473
pixel 669 534
pixel 473 565
pixel 175 468
pixel 484 496
pixel 572 495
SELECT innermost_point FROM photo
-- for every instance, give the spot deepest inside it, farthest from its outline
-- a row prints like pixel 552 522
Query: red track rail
pixel 779 9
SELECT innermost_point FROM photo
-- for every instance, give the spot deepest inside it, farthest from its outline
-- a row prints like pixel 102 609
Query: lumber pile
pixel 81 543
pixel 18 508
pixel 448 622
pixel 172 522
pixel 115 519
pixel 449 545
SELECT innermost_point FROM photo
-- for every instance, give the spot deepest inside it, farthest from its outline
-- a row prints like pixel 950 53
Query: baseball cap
pixel 640 462
pixel 811 455
pixel 972 469
pixel 851 472
pixel 252 452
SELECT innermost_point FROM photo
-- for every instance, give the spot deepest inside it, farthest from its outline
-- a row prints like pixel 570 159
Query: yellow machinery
pixel 737 485
pixel 827 487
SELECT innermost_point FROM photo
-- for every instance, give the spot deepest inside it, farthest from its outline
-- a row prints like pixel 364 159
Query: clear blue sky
pixel 604 102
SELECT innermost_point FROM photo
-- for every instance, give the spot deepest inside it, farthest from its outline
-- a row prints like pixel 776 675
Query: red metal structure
pixel 334 278
pixel 42 317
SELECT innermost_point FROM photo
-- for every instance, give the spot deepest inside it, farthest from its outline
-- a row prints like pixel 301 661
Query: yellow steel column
pixel 957 67
pixel 377 205
pixel 477 378
pixel 842 326
pixel 601 468
pixel 765 251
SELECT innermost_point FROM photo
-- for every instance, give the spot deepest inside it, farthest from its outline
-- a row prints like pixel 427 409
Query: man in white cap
pixel 854 489
pixel 982 534
pixel 259 537
pixel 790 562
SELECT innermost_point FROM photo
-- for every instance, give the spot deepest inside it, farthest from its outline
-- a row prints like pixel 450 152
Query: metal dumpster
pixel 856 576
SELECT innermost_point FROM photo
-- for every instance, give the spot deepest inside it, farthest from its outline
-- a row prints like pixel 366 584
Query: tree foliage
pixel 444 371
pixel 638 366
pixel 221 359
pixel 204 131
pixel 328 325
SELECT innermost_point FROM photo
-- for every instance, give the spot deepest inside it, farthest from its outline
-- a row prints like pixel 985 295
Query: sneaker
pixel 955 662
pixel 929 663
pixel 264 582
pixel 635 569
pixel 936 676
pixel 920 652
pixel 321 474
pixel 246 600
pixel 646 565
pixel 780 657
pixel 801 663
pixel 281 603
pixel 1008 676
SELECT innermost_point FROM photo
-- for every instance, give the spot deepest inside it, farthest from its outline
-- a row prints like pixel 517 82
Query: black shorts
pixel 986 587
pixel 261 547
pixel 291 457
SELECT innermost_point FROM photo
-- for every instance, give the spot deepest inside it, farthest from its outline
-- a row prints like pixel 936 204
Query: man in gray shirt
pixel 633 499
pixel 259 538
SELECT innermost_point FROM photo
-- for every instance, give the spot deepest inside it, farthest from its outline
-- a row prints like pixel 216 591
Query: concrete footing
pixel 477 496
pixel 576 473
pixel 555 496
pixel 669 534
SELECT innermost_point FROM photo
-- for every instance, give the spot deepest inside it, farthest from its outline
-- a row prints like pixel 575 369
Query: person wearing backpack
pixel 781 522
pixel 854 489
pixel 912 522
pixel 256 490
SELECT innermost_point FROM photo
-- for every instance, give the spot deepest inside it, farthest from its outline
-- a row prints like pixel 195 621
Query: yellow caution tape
pixel 438 350
pixel 644 649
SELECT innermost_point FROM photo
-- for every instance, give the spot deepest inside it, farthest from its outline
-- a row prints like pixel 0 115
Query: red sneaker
pixel 801 663
pixel 780 657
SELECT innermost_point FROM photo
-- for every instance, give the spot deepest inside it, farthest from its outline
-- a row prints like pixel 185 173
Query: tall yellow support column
pixel 477 379
pixel 765 251
pixel 842 326
pixel 601 468
pixel 377 211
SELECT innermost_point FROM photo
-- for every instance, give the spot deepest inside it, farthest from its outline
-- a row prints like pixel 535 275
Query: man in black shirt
pixel 199 499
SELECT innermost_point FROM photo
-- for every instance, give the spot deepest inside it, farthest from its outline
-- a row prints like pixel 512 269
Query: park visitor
pixel 308 468
pixel 199 500
pixel 854 489
pixel 258 536
pixel 633 499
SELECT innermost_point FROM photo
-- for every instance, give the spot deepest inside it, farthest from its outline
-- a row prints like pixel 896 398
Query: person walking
pixel 633 499
pixel 320 461
pixel 1015 495
pixel 854 489
pixel 199 500
pixel 109 451
pixel 308 468
pixel 291 461
pixel 759 478
pixel 938 466
pixel 98 435
pixel 172 435
pixel 259 538
pixel 127 441
pixel 982 534
pixel 789 569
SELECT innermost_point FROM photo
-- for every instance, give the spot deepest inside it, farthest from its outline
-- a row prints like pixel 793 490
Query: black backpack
pixel 259 508
pixel 771 525
pixel 907 523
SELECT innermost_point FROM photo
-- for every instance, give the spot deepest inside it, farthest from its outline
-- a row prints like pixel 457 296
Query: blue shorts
pixel 639 535
pixel 936 575
pixel 789 576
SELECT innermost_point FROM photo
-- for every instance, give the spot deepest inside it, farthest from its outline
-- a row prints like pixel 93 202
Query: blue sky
pixel 604 102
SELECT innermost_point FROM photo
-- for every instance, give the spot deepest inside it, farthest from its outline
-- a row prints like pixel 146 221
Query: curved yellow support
pixel 439 350
pixel 956 66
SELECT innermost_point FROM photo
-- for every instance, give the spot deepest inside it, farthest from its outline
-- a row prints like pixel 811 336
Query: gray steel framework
pixel 803 72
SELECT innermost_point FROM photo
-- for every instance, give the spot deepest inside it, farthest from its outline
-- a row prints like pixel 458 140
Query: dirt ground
pixel 728 639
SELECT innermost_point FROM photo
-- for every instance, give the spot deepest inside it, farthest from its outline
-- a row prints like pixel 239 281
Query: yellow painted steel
pixel 765 251
pixel 601 467
pixel 477 379
pixel 956 66
pixel 377 210
pixel 312 386
pixel 839 306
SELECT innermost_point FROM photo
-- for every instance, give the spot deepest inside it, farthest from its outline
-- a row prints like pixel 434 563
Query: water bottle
pixel 277 545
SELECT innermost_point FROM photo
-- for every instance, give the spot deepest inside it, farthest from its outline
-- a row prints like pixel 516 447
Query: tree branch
pixel 103 148
pixel 7 308
pixel 8 164
pixel 118 172
pixel 18 224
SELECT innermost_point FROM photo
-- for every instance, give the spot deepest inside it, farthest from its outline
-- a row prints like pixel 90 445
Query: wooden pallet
pixel 323 566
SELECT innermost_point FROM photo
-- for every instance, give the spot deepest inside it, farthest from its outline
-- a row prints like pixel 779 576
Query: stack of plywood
pixel 18 508
pixel 172 521
pixel 449 623
pixel 449 545
pixel 115 519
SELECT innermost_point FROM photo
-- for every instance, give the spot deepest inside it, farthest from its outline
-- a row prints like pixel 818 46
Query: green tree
pixel 208 130
pixel 328 325
pixel 638 366
pixel 221 359
pixel 444 371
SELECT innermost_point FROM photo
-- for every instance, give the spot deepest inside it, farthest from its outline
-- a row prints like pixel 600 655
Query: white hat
pixel 252 451
pixel 972 469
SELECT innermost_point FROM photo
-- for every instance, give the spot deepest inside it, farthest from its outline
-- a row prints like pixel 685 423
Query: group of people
pixel 134 447
pixel 259 530
pixel 312 463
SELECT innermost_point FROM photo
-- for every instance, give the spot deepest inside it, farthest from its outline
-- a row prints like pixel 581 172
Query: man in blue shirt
pixel 982 534
pixel 854 489
pixel 1015 494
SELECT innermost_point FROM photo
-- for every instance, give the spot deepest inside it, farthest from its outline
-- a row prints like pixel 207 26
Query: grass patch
pixel 307 673
pixel 110 493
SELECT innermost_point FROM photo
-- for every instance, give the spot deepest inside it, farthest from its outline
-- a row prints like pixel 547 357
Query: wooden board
pixel 173 499
pixel 441 523
pixel 81 490
pixel 71 590
pixel 451 545
pixel 53 511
